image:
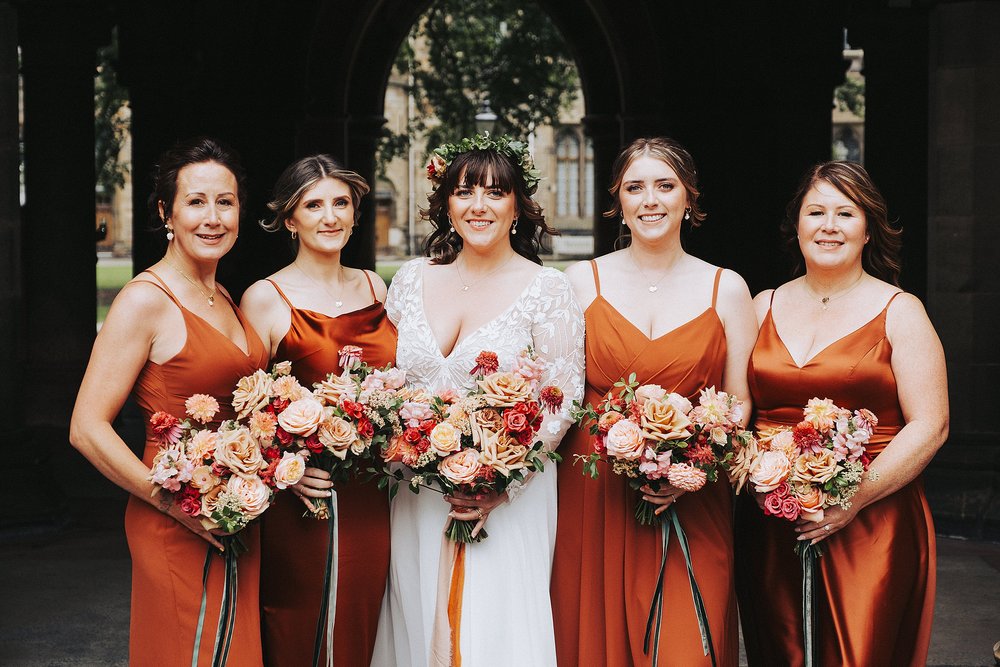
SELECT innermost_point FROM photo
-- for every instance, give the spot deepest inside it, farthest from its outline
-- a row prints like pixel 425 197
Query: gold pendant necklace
pixel 825 300
pixel 653 286
pixel 338 302
pixel 210 296
pixel 466 286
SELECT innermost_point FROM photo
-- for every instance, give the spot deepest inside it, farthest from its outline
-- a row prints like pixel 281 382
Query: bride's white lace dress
pixel 506 614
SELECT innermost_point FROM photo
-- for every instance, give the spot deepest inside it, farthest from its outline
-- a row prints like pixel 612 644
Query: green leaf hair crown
pixel 443 155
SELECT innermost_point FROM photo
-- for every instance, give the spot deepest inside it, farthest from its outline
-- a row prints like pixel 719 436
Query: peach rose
pixel 203 479
pixel 607 420
pixel 772 469
pixel 302 417
pixel 625 440
pixel 335 388
pixel 392 452
pixel 445 439
pixel 253 494
pixel 818 468
pixel 812 499
pixel 502 453
pixel 649 392
pixel 337 435
pixel 505 389
pixel 252 393
pixel 210 503
pixel 489 418
pixel 662 420
pixel 461 467
pixel 238 451
pixel 289 470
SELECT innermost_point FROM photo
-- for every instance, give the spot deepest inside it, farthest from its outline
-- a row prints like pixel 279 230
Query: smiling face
pixel 652 199
pixel 205 213
pixel 482 214
pixel 832 229
pixel 323 217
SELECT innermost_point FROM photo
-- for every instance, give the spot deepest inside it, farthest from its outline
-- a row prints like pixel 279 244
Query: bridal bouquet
pixel 804 469
pixel 483 441
pixel 336 425
pixel 651 436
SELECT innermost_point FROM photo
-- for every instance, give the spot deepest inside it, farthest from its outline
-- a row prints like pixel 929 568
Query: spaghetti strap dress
pixel 876 578
pixel 294 546
pixel 606 564
pixel 167 558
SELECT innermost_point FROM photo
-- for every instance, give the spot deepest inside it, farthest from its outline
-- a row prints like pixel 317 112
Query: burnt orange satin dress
pixel 294 547
pixel 606 564
pixel 167 558
pixel 876 578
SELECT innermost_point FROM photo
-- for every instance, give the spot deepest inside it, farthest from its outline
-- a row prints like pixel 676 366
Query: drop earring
pixel 687 213
pixel 513 228
pixel 170 233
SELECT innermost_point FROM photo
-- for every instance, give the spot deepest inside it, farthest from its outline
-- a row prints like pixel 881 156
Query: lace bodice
pixel 545 316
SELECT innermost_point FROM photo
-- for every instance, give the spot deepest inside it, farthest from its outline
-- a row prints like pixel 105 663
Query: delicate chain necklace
pixel 198 286
pixel 825 300
pixel 466 286
pixel 653 286
pixel 338 302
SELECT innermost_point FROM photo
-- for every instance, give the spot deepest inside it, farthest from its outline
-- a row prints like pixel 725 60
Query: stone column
pixel 363 134
pixel 604 131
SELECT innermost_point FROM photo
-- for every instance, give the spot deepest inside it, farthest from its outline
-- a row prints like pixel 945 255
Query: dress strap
pixel 281 294
pixel 162 285
pixel 597 278
pixel 770 303
pixel 370 286
pixel 715 288
pixel 889 303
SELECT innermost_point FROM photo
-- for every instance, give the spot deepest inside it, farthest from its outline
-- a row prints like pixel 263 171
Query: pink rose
pixel 649 392
pixel 624 440
pixel 461 467
pixel 302 417
pixel 412 413
pixel 790 508
pixel 772 504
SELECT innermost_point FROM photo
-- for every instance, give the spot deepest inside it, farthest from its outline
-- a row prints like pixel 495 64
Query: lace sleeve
pixel 399 290
pixel 558 335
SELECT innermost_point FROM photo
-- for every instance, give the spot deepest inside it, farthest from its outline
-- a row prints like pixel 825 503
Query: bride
pixel 481 289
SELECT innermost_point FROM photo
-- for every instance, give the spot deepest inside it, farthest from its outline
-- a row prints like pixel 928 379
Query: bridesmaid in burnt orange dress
pixel 843 330
pixel 676 321
pixel 307 312
pixel 173 332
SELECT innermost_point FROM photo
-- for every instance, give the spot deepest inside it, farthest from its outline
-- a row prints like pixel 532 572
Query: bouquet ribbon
pixel 227 607
pixel 445 637
pixel 807 556
pixel 328 609
pixel 655 618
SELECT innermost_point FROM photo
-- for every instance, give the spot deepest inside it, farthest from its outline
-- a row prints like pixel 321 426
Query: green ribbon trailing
pixel 655 618
pixel 807 556
pixel 227 607
pixel 328 607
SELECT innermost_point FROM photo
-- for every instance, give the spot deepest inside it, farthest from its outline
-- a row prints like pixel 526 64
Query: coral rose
pixel 661 420
pixel 290 470
pixel 625 440
pixel 504 390
pixel 772 469
pixel 238 451
pixel 445 439
pixel 302 417
pixel 686 477
pixel 252 393
pixel 818 468
pixel 337 435
pixel 607 420
pixel 461 467
pixel 392 452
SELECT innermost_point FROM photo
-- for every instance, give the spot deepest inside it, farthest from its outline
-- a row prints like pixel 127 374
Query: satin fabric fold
pixel 876 578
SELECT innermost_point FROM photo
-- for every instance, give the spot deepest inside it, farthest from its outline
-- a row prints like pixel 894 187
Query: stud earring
pixel 513 228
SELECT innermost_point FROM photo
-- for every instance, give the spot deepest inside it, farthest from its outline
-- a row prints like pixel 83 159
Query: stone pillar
pixel 963 294
pixel 604 131
pixel 58 60
pixel 11 301
pixel 363 134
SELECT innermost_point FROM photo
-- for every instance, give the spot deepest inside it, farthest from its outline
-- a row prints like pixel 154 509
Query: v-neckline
pixel 810 360
pixel 461 341
pixel 643 333
pixel 239 318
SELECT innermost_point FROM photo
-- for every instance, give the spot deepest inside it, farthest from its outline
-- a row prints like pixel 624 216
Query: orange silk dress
pixel 606 564
pixel 876 578
pixel 294 547
pixel 167 558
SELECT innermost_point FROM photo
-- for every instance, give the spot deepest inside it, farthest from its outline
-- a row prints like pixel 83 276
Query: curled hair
pixel 666 150
pixel 182 154
pixel 881 256
pixel 485 168
pixel 302 175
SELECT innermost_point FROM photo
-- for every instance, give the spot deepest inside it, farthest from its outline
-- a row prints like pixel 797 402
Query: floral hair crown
pixel 443 155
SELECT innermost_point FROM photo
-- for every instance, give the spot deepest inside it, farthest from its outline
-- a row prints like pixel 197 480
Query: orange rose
pixel 662 420
pixel 812 499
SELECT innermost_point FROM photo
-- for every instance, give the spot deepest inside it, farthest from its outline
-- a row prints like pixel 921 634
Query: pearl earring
pixel 513 228
pixel 170 232
pixel 687 214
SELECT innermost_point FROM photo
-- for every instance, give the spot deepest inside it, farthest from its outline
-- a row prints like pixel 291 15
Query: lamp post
pixel 486 120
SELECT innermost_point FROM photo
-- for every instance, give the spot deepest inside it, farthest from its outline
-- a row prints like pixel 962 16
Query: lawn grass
pixel 113 277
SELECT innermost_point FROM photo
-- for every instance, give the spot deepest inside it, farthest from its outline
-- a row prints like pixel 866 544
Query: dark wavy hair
pixel 485 168
pixel 674 155
pixel 182 154
pixel 302 175
pixel 881 256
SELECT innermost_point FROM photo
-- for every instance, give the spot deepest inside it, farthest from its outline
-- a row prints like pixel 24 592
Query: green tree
pixel 508 53
pixel 850 95
pixel 111 125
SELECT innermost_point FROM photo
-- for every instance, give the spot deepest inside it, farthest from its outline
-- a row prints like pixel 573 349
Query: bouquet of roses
pixel 650 436
pixel 221 476
pixel 804 469
pixel 336 426
pixel 482 441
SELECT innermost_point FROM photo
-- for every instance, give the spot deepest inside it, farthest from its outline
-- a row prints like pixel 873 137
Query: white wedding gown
pixel 506 614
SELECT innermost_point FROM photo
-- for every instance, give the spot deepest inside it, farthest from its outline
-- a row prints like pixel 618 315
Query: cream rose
pixel 624 440
pixel 302 417
pixel 203 479
pixel 253 494
pixel 289 470
pixel 680 403
pixel 252 393
pixel 282 368
pixel 772 469
pixel 662 420
pixel 818 468
pixel 238 451
pixel 649 392
pixel 503 453
pixel 718 435
pixel 445 439
pixel 461 467
pixel 504 390
pixel 337 435
pixel 335 388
